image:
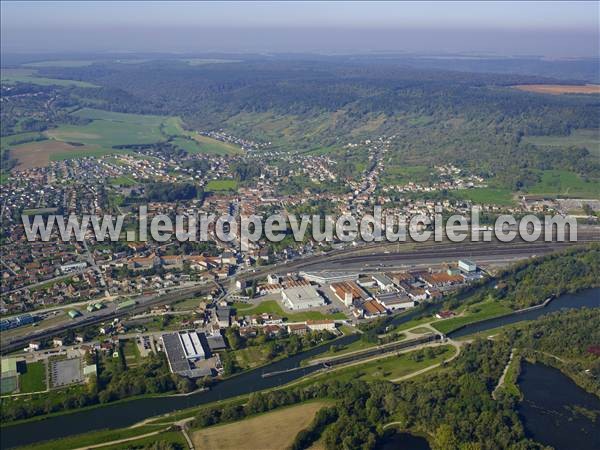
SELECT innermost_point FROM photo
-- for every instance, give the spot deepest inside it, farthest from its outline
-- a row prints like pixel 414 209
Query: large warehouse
pixel 301 297
pixel 183 349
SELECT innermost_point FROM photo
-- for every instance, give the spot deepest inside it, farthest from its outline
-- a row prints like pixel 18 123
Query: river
pixel 548 410
pixel 127 413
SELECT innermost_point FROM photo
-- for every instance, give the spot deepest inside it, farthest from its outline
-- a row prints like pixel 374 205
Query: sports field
pixel 34 380
pixel 272 307
pixel 273 430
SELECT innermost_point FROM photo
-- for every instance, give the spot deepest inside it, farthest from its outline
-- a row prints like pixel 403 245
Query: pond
pixel 557 412
pixel 394 440
pixel 127 413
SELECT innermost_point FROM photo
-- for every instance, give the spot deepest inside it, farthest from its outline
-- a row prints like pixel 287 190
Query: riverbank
pixel 136 410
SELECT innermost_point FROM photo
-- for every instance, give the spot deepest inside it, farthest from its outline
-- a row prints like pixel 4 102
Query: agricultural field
pixel 276 429
pixel 588 138
pixel 558 89
pixel 106 131
pixel 109 129
pixel 61 63
pixel 40 153
pixel 565 183
pixel 210 145
pixel 12 76
pixel 34 379
pixel 272 307
pixel 203 61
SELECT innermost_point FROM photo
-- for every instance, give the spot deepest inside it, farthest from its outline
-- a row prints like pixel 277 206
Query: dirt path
pixel 501 380
pixel 120 441
pixel 183 425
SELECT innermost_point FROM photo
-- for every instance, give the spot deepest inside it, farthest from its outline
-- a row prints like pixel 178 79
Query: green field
pixel 173 127
pixel 251 357
pixel 12 76
pixel 96 152
pixel 565 183
pixel 94 438
pixel 392 367
pixel 210 145
pixel 588 138
pixel 405 174
pixel 187 144
pixel 123 181
pixel 474 313
pixel 138 119
pixel 168 439
pixel 221 185
pixel 131 353
pixel 34 379
pixel 272 307
pixel 502 197
pixel 109 129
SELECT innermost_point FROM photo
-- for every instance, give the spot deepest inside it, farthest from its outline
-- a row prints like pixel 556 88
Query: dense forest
pixel 452 407
pixel 531 282
pixel 432 116
pixel 569 340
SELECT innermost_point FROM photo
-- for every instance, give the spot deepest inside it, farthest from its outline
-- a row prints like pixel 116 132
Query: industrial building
pixel 184 349
pixel 349 292
pixel 329 277
pixel 301 297
pixel 394 301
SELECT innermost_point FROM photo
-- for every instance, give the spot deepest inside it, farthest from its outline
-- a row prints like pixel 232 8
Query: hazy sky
pixel 547 28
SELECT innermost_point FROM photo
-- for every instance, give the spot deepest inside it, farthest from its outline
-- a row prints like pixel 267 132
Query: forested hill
pixel 477 120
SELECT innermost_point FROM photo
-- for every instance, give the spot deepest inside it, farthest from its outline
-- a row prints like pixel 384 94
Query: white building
pixel 191 345
pixel 466 265
pixel 301 297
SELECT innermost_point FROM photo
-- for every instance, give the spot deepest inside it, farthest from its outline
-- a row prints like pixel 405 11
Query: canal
pixel 589 298
pixel 127 413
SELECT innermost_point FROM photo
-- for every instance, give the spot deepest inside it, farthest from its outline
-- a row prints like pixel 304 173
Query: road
pixel 347 259
pixel 107 314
